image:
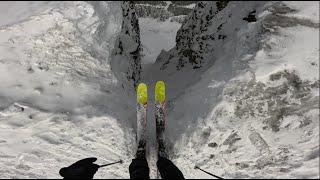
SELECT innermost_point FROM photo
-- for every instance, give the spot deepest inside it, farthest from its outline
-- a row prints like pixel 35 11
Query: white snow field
pixel 156 36
pixel 59 100
pixel 254 113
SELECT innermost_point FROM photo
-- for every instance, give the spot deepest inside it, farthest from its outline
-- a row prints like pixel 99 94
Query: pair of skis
pixel 142 105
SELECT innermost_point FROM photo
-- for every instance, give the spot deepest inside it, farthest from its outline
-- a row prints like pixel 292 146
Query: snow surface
pixel 156 36
pixel 204 123
pixel 14 12
pixel 60 101
pixel 306 10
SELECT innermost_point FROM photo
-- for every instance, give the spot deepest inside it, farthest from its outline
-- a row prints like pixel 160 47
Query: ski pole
pixel 196 167
pixel 111 164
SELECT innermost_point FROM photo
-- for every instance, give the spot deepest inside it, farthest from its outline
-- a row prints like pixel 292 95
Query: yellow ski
pixel 142 93
pixel 160 103
pixel 160 92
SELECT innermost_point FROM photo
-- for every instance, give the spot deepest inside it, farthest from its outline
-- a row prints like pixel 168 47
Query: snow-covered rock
pixel 127 59
pixel 208 27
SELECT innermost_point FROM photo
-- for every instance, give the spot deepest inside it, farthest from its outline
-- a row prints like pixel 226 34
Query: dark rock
pixel 241 165
pixel 213 145
pixel 234 137
pixel 275 76
pixel 316 84
pixel 284 170
pixel 30 70
pixel 19 108
pixel 219 27
pixel 251 17
pixel 206 132
pixel 222 36
pixel 221 4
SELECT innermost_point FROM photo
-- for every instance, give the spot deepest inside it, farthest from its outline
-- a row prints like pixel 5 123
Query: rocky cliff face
pixel 128 45
pixel 126 61
pixel 208 27
pixel 194 36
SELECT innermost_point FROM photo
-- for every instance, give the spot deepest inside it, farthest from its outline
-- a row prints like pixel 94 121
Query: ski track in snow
pixel 60 102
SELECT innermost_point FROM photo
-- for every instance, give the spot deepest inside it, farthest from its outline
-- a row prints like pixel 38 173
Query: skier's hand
pixel 83 169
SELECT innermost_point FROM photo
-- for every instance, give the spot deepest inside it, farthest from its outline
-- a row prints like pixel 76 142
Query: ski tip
pixel 142 93
pixel 160 84
pixel 160 92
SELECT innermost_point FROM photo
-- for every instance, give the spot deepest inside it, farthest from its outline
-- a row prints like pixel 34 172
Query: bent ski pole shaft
pixel 196 167
pixel 110 164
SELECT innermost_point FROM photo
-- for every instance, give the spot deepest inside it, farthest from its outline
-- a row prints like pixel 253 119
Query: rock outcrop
pixel 128 45
pixel 207 28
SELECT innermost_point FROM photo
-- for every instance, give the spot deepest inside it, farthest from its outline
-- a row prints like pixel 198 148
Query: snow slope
pixel 59 100
pixel 156 36
pixel 250 111
pixel 15 12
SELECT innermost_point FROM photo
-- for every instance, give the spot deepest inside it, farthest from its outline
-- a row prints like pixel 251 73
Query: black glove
pixel 83 169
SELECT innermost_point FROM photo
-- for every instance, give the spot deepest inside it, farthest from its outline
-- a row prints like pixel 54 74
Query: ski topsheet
pixel 142 103
pixel 160 102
